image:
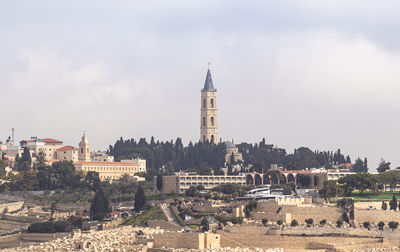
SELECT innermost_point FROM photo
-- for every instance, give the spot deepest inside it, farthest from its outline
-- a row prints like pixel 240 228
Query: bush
pixel 322 222
pixel 264 221
pixel 49 227
pixel 381 225
pixel 393 225
pixel 366 224
pixel 309 222
pixel 294 223
pixel 339 223
pixel 279 222
pixel 384 205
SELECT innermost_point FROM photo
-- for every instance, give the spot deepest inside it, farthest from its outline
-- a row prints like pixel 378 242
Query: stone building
pixel 208 111
pixel 108 170
pixel 232 150
pixel 84 149
pixel 67 153
pixel 180 182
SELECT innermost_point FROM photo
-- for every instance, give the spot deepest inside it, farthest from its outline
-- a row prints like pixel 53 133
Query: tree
pixel 264 221
pixel 360 166
pixel 339 223
pixel 393 225
pixel 309 222
pixel 304 180
pixel 159 182
pixel 322 222
pixel 383 166
pixel 393 203
pixel 330 190
pixel 294 223
pixel 384 205
pixel 279 222
pixel 381 225
pixel 100 206
pixel 205 225
pixel 316 180
pixel 140 199
pixel 367 225
pixel 191 192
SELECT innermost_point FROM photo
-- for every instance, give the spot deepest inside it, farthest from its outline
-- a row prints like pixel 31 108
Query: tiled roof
pixel 51 140
pixel 66 148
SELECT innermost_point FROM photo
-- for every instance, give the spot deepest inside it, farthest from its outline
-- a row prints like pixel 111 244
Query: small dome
pixel 230 145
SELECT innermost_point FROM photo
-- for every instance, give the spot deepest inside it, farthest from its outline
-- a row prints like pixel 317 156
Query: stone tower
pixel 209 112
pixel 84 149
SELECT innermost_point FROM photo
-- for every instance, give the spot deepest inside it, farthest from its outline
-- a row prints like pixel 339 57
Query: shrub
pixel 384 205
pixel 322 222
pixel 345 217
pixel 264 221
pixel 381 225
pixel 366 224
pixel 339 223
pixel 309 222
pixel 393 225
pixel 279 222
pixel 49 227
pixel 294 223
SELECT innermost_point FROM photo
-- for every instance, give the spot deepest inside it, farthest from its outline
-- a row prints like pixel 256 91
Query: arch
pixel 282 179
pixel 297 178
pixel 212 139
pixel 257 180
pixel 204 103
pixel 266 180
pixel 290 178
pixel 212 121
pixel 212 103
pixel 204 121
pixel 249 179
pixel 274 179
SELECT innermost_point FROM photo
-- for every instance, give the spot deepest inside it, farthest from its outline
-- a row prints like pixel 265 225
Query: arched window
pixel 204 103
pixel 212 121
pixel 212 103
pixel 212 139
pixel 204 121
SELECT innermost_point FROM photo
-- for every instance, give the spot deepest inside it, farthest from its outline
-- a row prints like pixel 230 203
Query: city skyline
pixel 320 75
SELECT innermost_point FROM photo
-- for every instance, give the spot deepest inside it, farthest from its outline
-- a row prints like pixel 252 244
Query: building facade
pixel 108 170
pixel 67 153
pixel 208 111
pixel 84 149
pixel 182 181
pixel 141 163
pixel 232 151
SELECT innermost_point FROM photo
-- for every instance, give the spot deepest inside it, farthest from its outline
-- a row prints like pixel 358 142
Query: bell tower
pixel 84 149
pixel 208 111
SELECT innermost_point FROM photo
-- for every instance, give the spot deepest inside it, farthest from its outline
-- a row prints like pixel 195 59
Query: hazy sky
pixel 321 74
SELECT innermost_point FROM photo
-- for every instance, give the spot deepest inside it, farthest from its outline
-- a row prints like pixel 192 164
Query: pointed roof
pixel 208 85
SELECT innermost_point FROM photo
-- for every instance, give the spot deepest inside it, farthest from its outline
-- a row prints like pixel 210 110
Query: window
pixel 204 103
pixel 204 121
pixel 212 103
pixel 212 120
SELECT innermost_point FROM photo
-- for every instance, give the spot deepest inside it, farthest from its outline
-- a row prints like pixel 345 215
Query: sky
pixel 320 74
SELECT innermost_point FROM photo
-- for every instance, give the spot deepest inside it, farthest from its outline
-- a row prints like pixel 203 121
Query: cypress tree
pixel 140 199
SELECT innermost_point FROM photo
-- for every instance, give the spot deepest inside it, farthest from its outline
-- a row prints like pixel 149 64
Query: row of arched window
pixel 211 119
pixel 211 140
pixel 211 103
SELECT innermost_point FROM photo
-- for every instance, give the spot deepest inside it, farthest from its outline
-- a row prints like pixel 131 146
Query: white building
pixel 138 161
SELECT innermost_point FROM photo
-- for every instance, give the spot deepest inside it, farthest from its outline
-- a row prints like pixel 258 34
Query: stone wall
pixel 376 216
pixel 272 211
pixel 179 240
pixel 187 240
pixel 11 207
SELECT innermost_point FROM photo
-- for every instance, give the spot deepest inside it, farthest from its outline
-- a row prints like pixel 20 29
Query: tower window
pixel 204 103
pixel 212 103
pixel 204 121
pixel 212 121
